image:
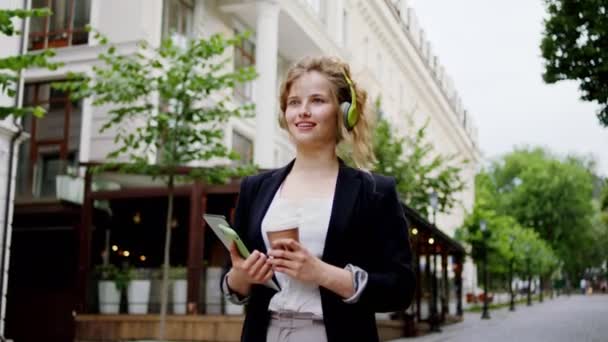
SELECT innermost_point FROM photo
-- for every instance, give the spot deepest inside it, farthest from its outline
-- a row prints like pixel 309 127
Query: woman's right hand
pixel 245 272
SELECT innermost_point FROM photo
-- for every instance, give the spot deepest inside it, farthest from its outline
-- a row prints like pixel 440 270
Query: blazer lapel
pixel 266 193
pixel 345 196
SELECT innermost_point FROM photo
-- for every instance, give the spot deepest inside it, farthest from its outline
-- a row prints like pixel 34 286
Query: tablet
pixel 222 230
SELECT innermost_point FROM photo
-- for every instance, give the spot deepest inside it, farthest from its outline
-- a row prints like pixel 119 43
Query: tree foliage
pixel 11 66
pixel 167 107
pixel 552 196
pixel 417 167
pixel 506 241
pixel 574 48
pixel 603 204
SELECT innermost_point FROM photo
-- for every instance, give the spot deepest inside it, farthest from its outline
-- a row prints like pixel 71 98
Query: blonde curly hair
pixel 360 137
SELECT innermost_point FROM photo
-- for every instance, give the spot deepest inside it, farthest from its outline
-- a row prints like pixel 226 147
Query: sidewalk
pixel 574 318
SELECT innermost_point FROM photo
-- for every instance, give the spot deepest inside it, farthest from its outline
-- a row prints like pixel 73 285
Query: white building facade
pixel 381 39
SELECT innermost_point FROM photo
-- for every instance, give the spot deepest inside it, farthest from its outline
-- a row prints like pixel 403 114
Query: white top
pixel 312 215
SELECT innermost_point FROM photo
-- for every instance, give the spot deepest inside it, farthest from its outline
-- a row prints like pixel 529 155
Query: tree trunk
pixel 164 292
pixel 529 289
pixel 542 288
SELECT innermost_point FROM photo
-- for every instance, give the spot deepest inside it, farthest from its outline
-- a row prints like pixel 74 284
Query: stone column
pixel 402 6
pixel 265 92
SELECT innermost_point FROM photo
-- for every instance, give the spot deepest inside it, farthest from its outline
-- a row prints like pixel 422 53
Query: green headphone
pixel 349 109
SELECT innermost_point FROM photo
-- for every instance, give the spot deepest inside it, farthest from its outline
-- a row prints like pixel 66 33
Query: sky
pixel 491 50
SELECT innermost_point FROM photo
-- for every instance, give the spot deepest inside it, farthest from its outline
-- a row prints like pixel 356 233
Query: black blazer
pixel 367 228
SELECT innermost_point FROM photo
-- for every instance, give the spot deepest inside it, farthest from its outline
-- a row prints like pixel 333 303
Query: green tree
pixel 574 48
pixel 169 106
pixel 11 67
pixel 554 197
pixel 505 240
pixel 417 167
pixel 603 202
pixel 507 245
pixel 604 195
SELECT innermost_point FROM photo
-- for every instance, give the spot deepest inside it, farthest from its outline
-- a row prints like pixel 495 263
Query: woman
pixel 353 256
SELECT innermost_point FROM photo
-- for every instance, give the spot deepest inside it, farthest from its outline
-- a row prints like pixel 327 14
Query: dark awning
pixel 422 230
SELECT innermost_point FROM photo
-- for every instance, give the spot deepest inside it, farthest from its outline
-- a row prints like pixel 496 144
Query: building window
pixel 366 51
pixel 244 147
pixel 345 26
pixel 244 56
pixel 178 18
pixel 65 27
pixel 54 140
pixel 315 5
pixel 379 67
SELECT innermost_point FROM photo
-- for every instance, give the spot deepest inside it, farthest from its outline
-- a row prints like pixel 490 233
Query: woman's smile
pixel 305 126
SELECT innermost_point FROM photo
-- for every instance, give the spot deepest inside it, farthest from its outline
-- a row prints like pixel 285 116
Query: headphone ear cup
pixel 345 108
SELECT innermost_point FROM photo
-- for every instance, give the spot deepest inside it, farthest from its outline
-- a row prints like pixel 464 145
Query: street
pixel 574 318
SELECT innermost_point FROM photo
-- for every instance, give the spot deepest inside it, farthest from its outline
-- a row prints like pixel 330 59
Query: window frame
pixel 32 184
pixel 236 134
pixel 186 9
pixel 244 91
pixel 345 27
pixel 48 39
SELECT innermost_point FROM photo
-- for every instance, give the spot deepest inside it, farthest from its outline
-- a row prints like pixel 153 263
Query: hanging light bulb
pixel 137 218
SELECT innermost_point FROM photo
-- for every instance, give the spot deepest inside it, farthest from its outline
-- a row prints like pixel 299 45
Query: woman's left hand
pixel 290 257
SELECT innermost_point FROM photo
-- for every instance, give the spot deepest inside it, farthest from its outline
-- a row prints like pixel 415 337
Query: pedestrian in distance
pixel 350 256
pixel 583 286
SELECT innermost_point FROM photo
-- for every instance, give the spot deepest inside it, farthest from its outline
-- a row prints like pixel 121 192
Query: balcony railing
pixel 57 39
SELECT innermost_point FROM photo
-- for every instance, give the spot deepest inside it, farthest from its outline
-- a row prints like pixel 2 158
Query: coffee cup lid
pixel 282 223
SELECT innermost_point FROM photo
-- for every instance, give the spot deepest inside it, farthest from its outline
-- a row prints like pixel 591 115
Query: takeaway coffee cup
pixel 284 229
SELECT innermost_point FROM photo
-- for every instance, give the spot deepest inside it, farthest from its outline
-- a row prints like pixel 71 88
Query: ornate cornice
pixel 408 56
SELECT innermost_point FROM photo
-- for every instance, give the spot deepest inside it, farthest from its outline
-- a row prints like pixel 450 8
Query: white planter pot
pixel 383 316
pixel 109 297
pixel 69 188
pixel 213 295
pixel 180 296
pixel 233 309
pixel 138 294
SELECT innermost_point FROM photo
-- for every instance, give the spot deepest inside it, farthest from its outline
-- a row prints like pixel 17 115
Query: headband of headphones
pixel 349 109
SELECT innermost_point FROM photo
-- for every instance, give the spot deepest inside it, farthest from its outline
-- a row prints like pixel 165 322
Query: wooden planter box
pixel 205 328
pixel 199 328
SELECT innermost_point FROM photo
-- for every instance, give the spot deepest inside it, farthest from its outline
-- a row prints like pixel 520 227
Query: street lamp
pixel 434 203
pixel 512 304
pixel 434 319
pixel 528 271
pixel 483 227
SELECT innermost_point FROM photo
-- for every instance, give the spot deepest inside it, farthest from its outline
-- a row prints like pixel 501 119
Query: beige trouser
pixel 295 329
